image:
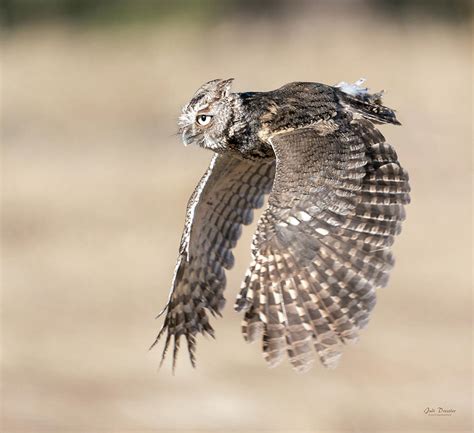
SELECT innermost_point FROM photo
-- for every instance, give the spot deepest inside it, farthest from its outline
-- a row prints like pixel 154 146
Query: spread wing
pixel 223 200
pixel 323 245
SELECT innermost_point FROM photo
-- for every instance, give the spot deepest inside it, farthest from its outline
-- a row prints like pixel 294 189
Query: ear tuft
pixel 224 86
pixel 216 88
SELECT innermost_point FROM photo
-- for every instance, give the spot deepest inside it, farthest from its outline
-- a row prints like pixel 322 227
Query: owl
pixel 322 246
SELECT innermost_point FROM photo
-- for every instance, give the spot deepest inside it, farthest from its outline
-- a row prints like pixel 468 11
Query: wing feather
pixel 221 203
pixel 322 247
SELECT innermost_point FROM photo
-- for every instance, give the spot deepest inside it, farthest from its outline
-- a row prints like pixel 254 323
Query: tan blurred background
pixel 95 185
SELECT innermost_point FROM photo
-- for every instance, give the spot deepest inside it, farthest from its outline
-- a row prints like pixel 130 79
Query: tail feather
pixel 359 101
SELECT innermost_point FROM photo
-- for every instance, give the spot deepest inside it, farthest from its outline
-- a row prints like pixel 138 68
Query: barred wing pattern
pixel 323 245
pixel 223 200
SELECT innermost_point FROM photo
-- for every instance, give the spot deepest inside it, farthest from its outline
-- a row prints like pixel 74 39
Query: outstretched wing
pixel 323 245
pixel 223 200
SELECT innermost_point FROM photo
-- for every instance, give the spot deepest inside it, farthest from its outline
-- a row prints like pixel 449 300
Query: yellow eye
pixel 203 119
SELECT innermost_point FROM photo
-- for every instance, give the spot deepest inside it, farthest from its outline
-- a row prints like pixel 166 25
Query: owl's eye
pixel 203 119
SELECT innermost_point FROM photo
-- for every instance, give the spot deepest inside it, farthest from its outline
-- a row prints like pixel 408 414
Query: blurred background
pixel 94 188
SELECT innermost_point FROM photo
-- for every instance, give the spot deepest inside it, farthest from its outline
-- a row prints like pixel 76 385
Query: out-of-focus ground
pixel 94 192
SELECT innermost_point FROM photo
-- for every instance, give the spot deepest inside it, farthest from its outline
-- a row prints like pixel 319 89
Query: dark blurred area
pixel 23 12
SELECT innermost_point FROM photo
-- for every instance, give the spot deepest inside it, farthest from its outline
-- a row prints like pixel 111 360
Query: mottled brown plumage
pixel 322 246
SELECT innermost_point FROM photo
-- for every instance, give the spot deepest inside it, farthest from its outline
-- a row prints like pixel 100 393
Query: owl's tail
pixel 357 100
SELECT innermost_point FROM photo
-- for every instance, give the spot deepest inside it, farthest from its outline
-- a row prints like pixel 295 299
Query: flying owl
pixel 322 246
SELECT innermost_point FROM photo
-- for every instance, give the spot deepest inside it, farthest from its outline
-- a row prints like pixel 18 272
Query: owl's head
pixel 206 117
